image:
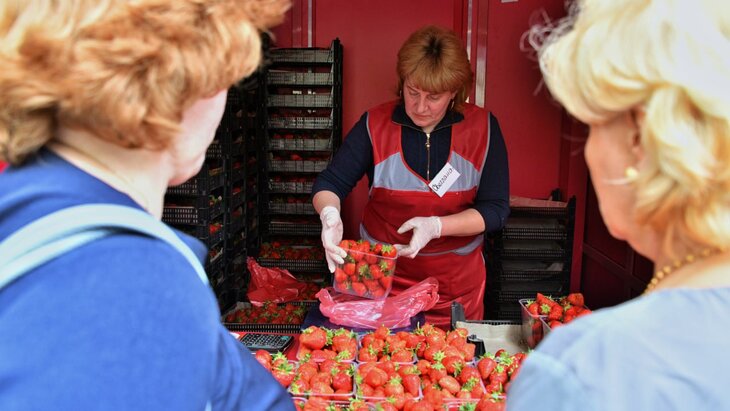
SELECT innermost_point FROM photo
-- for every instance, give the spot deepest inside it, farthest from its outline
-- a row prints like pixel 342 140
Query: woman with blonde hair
pixel 650 78
pixel 438 174
pixel 103 105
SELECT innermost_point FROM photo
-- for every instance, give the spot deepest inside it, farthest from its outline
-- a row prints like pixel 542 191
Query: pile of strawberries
pixel 368 269
pixel 498 370
pixel 559 312
pixel 437 371
pixel 269 313
pixel 319 344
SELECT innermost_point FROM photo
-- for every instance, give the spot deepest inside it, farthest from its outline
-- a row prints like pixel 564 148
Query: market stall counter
pixel 464 368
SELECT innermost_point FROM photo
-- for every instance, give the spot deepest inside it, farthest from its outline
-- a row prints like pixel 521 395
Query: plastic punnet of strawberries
pixel 560 311
pixel 368 269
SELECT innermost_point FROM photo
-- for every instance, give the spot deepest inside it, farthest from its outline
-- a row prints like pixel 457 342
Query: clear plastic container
pixel 365 274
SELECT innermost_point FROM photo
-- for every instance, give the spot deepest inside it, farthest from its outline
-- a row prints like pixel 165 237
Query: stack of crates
pixel 532 253
pixel 209 205
pixel 303 111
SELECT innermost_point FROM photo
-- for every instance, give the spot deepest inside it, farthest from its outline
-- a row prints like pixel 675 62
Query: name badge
pixel 444 180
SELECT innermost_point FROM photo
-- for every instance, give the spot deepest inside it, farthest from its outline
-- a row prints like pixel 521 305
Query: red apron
pixel 397 194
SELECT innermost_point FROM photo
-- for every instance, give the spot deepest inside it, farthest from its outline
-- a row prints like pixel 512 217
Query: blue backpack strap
pixel 64 230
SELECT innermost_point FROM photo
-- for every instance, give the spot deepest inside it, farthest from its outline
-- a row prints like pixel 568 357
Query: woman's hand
pixel 331 236
pixel 424 229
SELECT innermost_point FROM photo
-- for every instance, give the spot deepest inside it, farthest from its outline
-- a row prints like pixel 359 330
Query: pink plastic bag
pixel 272 284
pixel 393 312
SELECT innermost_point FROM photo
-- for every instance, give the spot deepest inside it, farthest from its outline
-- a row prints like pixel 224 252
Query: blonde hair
pixel 435 60
pixel 670 58
pixel 124 70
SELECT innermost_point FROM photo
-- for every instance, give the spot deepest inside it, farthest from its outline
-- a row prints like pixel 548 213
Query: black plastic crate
pixel 207 180
pixel 310 266
pixel 194 214
pixel 511 313
pixel 525 233
pixel 202 233
pixel 302 55
pixel 300 122
pixel 292 228
pixel 291 208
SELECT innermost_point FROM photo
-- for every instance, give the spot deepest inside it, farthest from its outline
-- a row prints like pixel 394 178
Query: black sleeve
pixel 492 200
pixel 351 162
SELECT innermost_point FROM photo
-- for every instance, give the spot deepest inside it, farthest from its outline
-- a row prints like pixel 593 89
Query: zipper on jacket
pixel 428 157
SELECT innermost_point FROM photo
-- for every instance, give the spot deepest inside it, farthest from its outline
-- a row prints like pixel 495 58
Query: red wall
pixel 371 31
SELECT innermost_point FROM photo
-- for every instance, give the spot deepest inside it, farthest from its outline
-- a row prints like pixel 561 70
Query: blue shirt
pixel 664 351
pixel 354 159
pixel 123 323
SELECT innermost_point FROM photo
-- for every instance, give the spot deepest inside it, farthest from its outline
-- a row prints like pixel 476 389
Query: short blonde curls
pixel 124 70
pixel 670 58
pixel 435 59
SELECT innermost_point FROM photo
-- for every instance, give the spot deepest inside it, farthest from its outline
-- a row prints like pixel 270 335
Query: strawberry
pixel 556 312
pixel 485 366
pixel 342 380
pixel 375 271
pixel 401 356
pixel 376 248
pixel 394 387
pixel 264 358
pixel 467 373
pixel 411 384
pixel 575 299
pixel 340 275
pixel 284 374
pixel 314 338
pixel 362 269
pixel 388 251
pixel 376 377
pixel 534 308
pixel 450 384
pixel 359 288
pixel 349 268
pixel 386 281
pixel 453 364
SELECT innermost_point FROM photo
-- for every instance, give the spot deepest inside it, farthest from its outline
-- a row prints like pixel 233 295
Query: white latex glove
pixel 331 237
pixel 424 229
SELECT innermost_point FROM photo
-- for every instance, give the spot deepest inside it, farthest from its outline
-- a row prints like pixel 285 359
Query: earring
pixel 451 107
pixel 631 173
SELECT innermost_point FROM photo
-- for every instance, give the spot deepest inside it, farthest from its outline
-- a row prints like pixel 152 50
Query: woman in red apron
pixel 438 176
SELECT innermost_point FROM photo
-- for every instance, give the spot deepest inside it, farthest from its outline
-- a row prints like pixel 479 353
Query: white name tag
pixel 444 180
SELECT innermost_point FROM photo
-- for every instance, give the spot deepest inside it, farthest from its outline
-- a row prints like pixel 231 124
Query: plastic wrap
pixel 272 284
pixel 393 312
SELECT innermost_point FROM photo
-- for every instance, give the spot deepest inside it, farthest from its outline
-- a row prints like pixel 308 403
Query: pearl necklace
pixel 690 258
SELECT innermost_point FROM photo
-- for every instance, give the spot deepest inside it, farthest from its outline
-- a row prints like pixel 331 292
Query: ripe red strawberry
pixel 264 358
pixel 314 338
pixel 411 384
pixel 575 299
pixel 450 384
pixel 453 364
pixel 362 269
pixel 359 288
pixel 534 308
pixel 468 373
pixel 486 365
pixel 386 281
pixel 340 275
pixel 375 271
pixel 345 244
pixel 349 268
pixel 394 386
pixel 556 312
pixel 388 251
pixel 376 377
pixel 284 373
pixel 341 380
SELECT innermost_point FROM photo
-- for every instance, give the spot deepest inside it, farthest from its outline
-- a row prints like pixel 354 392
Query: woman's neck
pixel 139 173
